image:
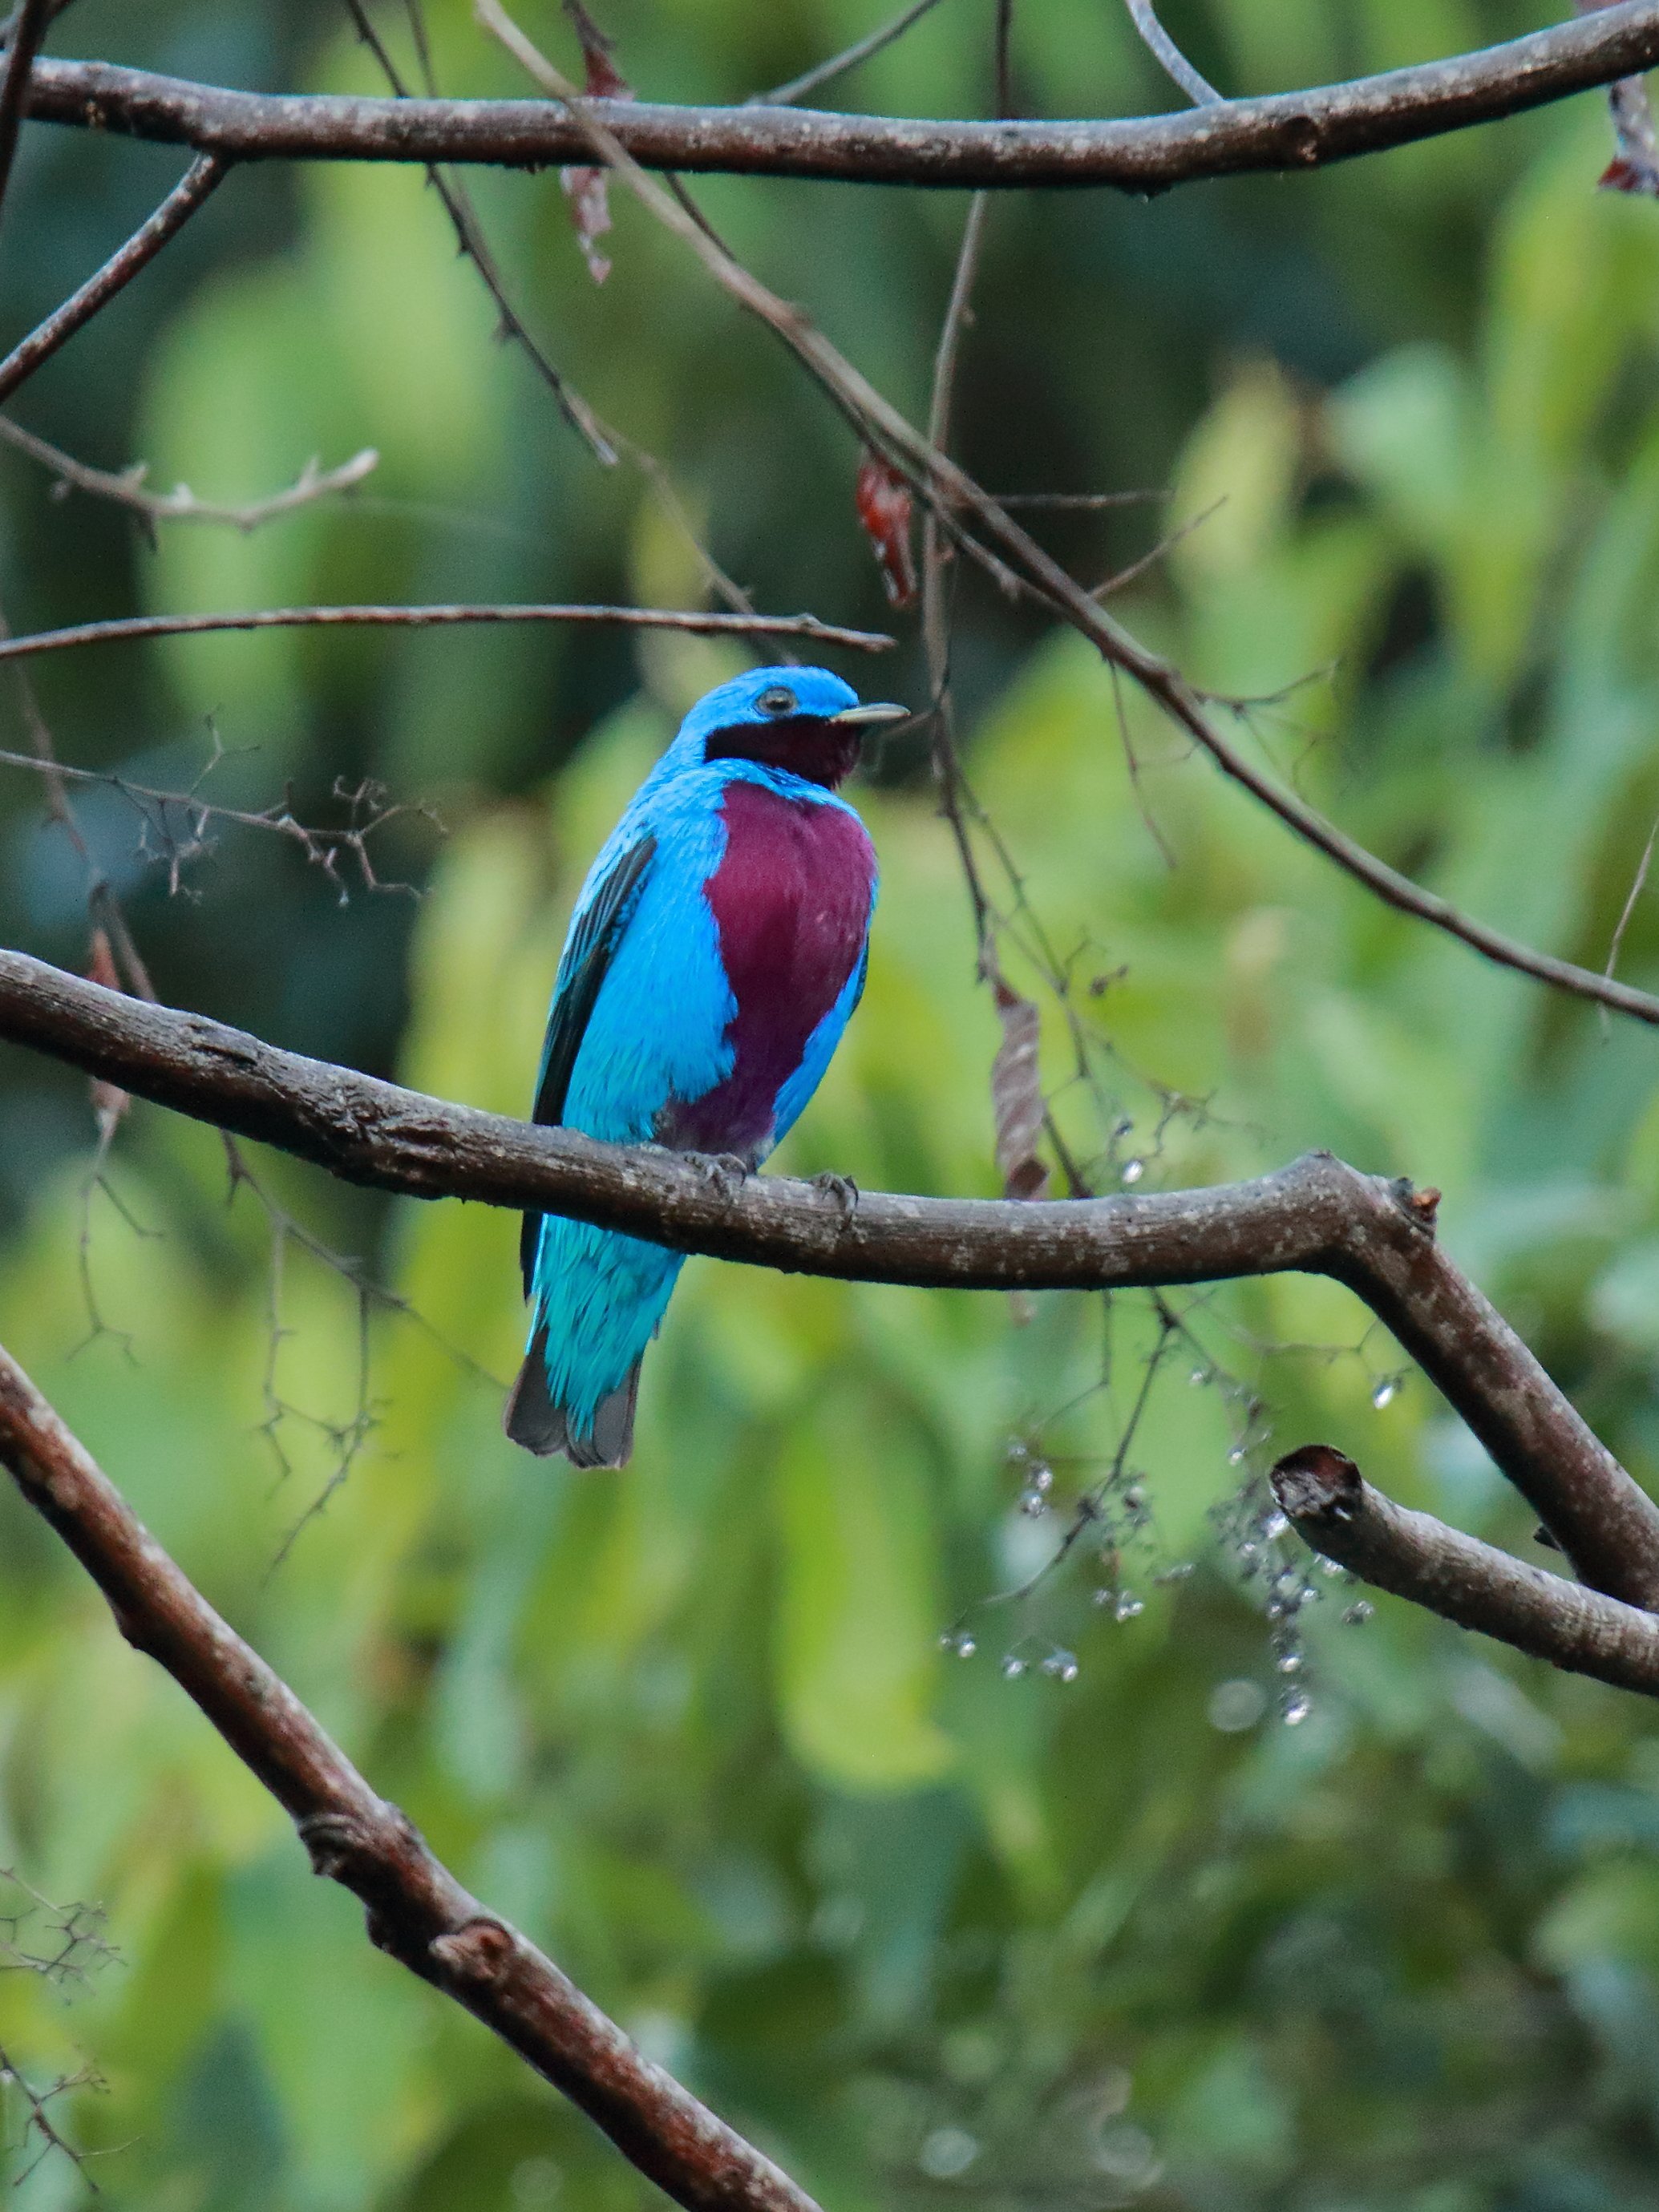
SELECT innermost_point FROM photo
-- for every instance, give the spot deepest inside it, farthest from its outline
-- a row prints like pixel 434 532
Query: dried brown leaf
pixel 586 187
pixel 886 510
pixel 1017 1094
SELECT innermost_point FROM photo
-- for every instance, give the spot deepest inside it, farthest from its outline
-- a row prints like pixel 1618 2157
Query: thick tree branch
pixel 1333 1508
pixel 1315 1217
pixel 207 172
pixel 417 1910
pixel 126 627
pixel 1289 131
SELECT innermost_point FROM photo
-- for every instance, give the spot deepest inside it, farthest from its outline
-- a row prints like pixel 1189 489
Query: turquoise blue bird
pixel 715 955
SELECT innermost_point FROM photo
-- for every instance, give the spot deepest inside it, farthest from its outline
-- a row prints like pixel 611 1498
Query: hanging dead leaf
pixel 1017 1095
pixel 586 187
pixel 109 1102
pixel 886 510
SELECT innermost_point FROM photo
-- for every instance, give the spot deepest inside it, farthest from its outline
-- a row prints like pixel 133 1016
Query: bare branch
pixel 417 1910
pixel 1333 1508
pixel 27 27
pixel 1170 59
pixel 127 487
pixel 701 624
pixel 206 172
pixel 782 95
pixel 1290 130
pixel 1317 1217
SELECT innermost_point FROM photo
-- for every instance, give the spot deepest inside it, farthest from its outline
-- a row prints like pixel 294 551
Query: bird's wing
pixel 588 952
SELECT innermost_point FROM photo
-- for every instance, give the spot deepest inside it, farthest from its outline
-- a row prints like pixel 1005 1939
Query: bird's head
pixel 802 719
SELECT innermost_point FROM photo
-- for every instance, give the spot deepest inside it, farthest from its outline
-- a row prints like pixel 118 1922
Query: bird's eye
pixel 778 700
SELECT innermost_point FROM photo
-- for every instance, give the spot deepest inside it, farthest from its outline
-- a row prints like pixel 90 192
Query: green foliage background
pixel 932 1934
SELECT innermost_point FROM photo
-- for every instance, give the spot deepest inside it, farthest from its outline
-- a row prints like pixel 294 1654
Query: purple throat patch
pixel 791 901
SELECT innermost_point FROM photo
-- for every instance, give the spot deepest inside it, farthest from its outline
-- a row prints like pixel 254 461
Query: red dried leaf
pixel 586 187
pixel 1017 1095
pixel 1623 174
pixel 605 80
pixel 109 1101
pixel 590 208
pixel 886 509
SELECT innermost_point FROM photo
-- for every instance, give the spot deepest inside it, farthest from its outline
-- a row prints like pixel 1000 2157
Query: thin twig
pixel 1170 59
pixel 469 237
pixel 700 624
pixel 935 594
pixel 1629 908
pixel 204 174
pixel 127 487
pixel 417 1911
pixel 783 96
pixel 27 27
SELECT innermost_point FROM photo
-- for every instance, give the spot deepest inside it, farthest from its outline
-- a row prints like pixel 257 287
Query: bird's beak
pixel 872 716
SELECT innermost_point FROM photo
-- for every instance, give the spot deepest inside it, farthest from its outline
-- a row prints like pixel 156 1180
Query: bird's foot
pixel 728 1171
pixel 842 1189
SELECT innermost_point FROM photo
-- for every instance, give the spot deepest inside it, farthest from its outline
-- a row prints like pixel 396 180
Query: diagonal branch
pixel 1334 1509
pixel 989 532
pixel 1290 130
pixel 1170 59
pixel 783 96
pixel 700 624
pixel 207 172
pixel 1315 1217
pixel 417 1910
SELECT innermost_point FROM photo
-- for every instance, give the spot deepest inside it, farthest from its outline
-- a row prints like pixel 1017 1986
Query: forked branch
pixel 417 1910
pixel 1315 1217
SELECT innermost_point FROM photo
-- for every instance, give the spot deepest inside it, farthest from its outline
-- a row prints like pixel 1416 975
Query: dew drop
pixel 1235 1456
pixel 1013 1666
pixel 1289 1662
pixel 1295 1708
pixel 1274 1526
pixel 1199 1377
pixel 1133 1171
pixel 1331 1567
pixel 1357 1613
pixel 1385 1392
pixel 1177 1573
pixel 1128 1606
pixel 946 2153
pixel 1135 1498
pixel 1123 1127
pixel 1061 1666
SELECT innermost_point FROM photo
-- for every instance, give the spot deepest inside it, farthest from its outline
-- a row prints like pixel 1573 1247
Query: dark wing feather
pixel 587 961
